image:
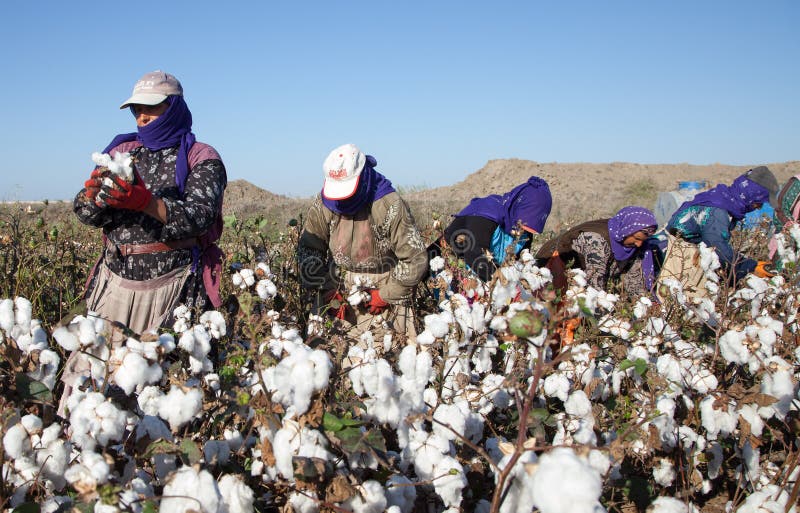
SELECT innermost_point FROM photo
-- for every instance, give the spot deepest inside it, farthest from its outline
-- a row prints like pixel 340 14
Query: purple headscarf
pixel 172 128
pixel 372 186
pixel 530 203
pixel 626 222
pixel 738 199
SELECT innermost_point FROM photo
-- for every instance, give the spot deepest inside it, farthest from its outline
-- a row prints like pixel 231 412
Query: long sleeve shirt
pixel 381 239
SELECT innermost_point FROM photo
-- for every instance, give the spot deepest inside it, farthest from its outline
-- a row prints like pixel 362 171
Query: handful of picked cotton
pixel 119 165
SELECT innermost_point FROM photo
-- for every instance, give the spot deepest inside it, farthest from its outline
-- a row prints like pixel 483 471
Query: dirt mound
pixel 582 191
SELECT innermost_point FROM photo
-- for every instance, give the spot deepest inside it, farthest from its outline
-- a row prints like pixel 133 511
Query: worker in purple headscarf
pixel 711 215
pixel 615 248
pixel 159 226
pixel 490 228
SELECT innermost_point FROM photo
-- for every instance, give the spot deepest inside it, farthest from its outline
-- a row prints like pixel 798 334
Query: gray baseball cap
pixel 153 88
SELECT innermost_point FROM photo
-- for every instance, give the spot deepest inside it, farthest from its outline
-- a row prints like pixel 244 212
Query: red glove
pixel 337 310
pixel 93 184
pixel 131 196
pixel 376 304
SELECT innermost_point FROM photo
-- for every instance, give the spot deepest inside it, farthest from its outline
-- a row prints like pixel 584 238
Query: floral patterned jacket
pixel 187 216
pixel 381 241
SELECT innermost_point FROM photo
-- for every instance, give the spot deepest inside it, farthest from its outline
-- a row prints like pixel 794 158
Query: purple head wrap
pixel 626 222
pixel 172 128
pixel 530 203
pixel 372 186
pixel 738 199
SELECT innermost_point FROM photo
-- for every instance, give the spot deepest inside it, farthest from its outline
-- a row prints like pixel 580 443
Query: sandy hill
pixel 582 191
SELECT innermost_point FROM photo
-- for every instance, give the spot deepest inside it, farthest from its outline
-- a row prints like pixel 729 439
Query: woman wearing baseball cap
pixel 360 248
pixel 160 227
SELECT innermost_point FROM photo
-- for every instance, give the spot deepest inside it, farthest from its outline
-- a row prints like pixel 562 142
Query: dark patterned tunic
pixel 187 217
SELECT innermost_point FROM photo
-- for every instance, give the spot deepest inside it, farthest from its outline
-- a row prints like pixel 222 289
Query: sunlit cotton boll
pixel 95 420
pixel 237 497
pixel 7 315
pixel 266 289
pixel 180 406
pixel 135 373
pixel 89 471
pixel 717 421
pixel 243 278
pixel 400 492
pixel 664 473
pixel 297 376
pixel 770 499
pixel 437 264
pixel 671 505
pixel 214 322
pixel 564 483
pixel 369 499
pixel 189 490
pixel 438 324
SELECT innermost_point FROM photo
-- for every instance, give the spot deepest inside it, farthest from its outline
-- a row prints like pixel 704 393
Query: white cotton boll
pixel 190 490
pixel 214 322
pixel 179 407
pixel 702 379
pixel 557 385
pixel 52 456
pixel 23 313
pixel 670 505
pixel 750 458
pixel 732 348
pixel 148 400
pixel 779 384
pixel 7 315
pixel 438 324
pixel 136 372
pixel 216 452
pixel 369 499
pixel 17 441
pixel 749 412
pixel 578 405
pixel 266 289
pixel 450 481
pixel 401 492
pixel 668 367
pixel 436 264
pixel 31 423
pixel 90 471
pixel 642 307
pixel 236 497
pixel 717 421
pixel 94 420
pixel 770 499
pixel 66 338
pixel 425 338
pixel 451 416
pixel 664 473
pixel 153 428
pixel 304 502
pixel 563 483
pixel 499 323
pixel 234 438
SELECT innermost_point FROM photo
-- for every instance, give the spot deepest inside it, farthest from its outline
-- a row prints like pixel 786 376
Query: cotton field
pixel 667 407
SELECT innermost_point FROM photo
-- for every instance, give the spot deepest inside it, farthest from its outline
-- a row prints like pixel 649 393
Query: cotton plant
pixel 178 407
pixel 292 440
pixel 299 374
pixel 88 336
pixel 564 483
pixel 38 454
pixel 191 490
pixel 243 278
pixel 95 420
pixel 197 343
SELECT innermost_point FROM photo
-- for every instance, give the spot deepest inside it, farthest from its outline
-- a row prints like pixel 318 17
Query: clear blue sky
pixel 432 89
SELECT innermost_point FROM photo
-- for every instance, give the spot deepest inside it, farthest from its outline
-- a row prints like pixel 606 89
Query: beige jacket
pixel 381 243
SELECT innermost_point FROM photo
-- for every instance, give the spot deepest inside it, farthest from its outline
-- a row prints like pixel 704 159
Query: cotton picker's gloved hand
pixel 337 306
pixel 131 196
pixel 93 184
pixel 376 303
pixel 764 269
